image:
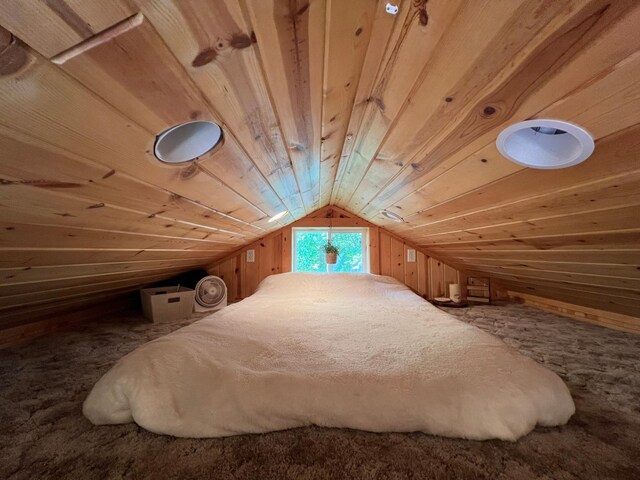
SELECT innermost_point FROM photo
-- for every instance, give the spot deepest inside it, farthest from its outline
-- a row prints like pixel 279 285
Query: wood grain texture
pixel 380 39
pixel 517 97
pixel 322 102
pixel 32 322
pixel 155 84
pixel 51 26
pixel 216 47
pixel 30 162
pixel 466 197
pixel 584 314
pixel 346 39
pixel 410 47
pixel 291 43
pixel 387 256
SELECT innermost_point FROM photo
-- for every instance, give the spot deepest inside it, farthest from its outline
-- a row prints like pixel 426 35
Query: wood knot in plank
pixel 237 41
pixel 40 183
pixel 189 172
pixel 297 147
pixel 205 57
pixel 423 16
pixel 240 41
pixel 488 111
pixel 13 55
pixel 302 10
pixel 378 102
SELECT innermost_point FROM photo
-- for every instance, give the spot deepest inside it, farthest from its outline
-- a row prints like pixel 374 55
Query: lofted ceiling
pixel 322 102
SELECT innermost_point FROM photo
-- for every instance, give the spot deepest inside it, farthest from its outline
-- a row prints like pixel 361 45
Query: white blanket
pixel 339 350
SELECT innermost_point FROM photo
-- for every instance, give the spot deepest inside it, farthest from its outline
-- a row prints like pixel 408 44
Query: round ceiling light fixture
pixel 545 144
pixel 187 141
pixel 394 217
pixel 278 216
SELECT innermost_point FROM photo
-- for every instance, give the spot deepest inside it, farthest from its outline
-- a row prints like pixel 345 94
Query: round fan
pixel 211 294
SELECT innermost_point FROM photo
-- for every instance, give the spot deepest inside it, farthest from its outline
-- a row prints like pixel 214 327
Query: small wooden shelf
pixel 479 289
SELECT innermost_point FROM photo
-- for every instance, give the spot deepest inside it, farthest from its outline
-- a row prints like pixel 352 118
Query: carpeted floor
pixel 44 435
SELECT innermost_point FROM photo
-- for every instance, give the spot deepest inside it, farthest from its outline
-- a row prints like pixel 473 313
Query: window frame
pixel 366 267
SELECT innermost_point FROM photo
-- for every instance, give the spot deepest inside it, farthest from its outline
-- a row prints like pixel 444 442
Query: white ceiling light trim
pixel 278 216
pixel 394 217
pixel 545 144
pixel 187 141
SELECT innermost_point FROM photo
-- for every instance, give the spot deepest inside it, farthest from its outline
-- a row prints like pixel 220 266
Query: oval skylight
pixel 545 144
pixel 187 141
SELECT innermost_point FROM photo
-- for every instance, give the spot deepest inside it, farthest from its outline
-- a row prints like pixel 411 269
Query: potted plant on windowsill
pixel 331 253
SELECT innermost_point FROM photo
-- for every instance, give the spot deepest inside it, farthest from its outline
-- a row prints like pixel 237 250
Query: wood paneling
pixel 35 322
pixel 290 39
pixel 604 298
pixel 347 36
pixel 585 314
pixel 52 26
pixel 387 256
pixel 322 102
pixel 213 43
pixel 79 188
pixel 461 199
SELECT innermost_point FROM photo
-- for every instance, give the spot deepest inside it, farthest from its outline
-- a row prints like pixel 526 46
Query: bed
pixel 341 350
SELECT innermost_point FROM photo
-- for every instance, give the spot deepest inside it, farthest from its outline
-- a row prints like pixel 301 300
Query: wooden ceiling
pixel 322 102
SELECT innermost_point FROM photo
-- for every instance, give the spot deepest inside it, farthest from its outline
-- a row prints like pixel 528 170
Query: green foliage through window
pixel 309 250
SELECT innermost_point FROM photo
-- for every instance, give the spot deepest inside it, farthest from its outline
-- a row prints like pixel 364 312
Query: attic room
pixel 320 239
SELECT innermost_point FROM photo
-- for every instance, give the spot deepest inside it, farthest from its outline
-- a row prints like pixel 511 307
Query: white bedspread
pixel 340 350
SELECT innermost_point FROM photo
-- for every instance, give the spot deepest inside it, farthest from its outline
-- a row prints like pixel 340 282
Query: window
pixel 308 249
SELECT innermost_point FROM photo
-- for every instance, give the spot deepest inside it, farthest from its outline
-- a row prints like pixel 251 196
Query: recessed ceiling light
pixel 278 216
pixel 394 217
pixel 187 141
pixel 545 144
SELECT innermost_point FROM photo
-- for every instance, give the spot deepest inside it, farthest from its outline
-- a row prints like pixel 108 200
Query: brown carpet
pixel 44 435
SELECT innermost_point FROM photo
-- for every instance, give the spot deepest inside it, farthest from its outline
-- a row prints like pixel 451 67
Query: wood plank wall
pixel 426 276
pixel 595 316
pixel 40 321
pixel 322 102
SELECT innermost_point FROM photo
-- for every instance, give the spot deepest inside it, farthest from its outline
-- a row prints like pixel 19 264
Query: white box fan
pixel 211 294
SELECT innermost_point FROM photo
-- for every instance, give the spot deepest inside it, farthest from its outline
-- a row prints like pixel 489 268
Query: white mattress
pixel 339 350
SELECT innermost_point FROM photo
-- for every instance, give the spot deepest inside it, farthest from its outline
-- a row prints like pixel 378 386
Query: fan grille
pixel 210 291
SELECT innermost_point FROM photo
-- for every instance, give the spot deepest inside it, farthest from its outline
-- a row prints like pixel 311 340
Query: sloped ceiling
pixel 322 102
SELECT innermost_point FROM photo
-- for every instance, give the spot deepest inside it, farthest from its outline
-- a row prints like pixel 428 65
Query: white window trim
pixel 365 242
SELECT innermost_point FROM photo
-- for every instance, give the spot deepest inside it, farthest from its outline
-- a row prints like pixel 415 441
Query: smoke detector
pixel 392 9
pixel 187 141
pixel 545 144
